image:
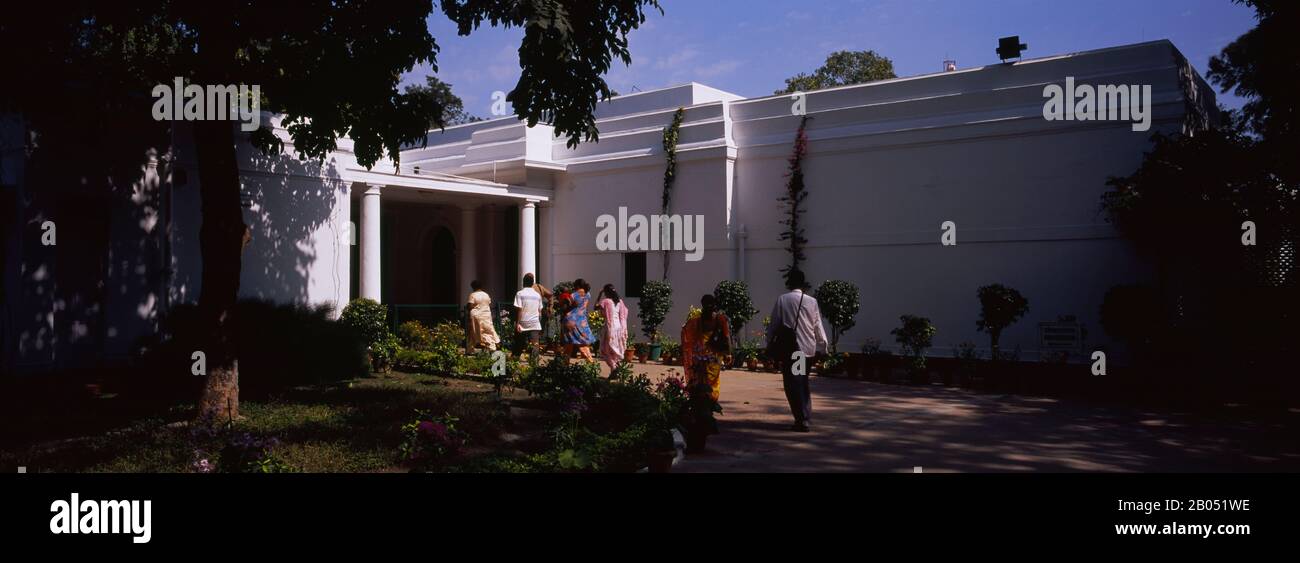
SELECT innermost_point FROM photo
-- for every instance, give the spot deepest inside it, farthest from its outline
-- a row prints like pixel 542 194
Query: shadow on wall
pixel 89 255
pixel 297 213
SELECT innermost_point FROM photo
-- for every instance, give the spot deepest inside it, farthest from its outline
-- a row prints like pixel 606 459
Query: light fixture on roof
pixel 1010 47
pixel 949 65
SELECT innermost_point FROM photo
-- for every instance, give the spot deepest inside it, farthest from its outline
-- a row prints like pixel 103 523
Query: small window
pixel 633 273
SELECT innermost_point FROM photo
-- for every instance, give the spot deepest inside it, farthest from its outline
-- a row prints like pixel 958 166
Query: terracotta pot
pixel 662 461
pixel 629 354
pixel 752 364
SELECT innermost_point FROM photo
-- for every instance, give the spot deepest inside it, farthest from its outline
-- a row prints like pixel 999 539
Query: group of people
pixel 795 326
pixel 535 304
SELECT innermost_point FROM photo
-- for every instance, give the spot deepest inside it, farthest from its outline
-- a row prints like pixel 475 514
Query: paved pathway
pixel 860 426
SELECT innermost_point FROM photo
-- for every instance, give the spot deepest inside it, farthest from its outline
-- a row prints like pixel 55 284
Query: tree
pixel 656 302
pixel 1000 307
pixel 838 301
pixel 842 68
pixel 1186 205
pixel 733 300
pixel 439 94
pixel 331 69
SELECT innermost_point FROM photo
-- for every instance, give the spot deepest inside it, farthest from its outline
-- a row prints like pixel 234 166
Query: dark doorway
pixel 442 261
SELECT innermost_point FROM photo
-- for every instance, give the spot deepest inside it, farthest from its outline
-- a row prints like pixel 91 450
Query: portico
pixel 424 237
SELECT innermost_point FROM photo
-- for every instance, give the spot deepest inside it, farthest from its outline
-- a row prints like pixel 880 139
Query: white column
pixel 371 267
pixel 527 240
pixel 465 243
pixel 545 266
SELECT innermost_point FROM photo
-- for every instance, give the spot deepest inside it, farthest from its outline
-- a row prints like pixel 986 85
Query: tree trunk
pixel 223 234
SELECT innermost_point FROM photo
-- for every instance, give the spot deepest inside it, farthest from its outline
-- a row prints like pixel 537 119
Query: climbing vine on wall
pixel 793 200
pixel 670 172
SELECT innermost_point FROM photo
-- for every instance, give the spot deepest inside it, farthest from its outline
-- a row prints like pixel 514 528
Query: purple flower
pixel 425 427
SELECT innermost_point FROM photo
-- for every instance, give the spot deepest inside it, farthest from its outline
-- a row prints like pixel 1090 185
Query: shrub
pixel 1000 307
pixel 914 336
pixel 430 438
pixel 369 319
pixel 733 299
pixel 413 335
pixel 278 346
pixel 656 302
pixel 838 301
pixel 553 380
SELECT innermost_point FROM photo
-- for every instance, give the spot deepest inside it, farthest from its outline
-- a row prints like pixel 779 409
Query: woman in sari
pixel 614 344
pixel 481 331
pixel 577 334
pixel 706 346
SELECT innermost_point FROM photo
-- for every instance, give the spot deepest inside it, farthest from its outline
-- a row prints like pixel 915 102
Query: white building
pixel 888 163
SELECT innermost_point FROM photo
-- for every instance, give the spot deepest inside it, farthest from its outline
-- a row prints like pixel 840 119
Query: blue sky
pixel 750 47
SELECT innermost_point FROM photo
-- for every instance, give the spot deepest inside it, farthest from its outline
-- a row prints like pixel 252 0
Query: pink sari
pixel 614 344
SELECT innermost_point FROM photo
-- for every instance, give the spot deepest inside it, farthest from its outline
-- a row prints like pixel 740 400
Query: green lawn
pixel 346 427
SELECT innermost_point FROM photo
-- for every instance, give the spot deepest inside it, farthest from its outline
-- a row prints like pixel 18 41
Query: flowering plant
pixel 429 438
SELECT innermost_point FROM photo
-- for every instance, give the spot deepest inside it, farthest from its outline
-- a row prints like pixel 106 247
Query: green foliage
pixel 1000 307
pixel 671 347
pixel 555 380
pixel 656 302
pixel 670 155
pixel 439 94
pixel 670 169
pixel 596 321
pixel 278 346
pixel 566 51
pixel 1260 66
pixel 369 320
pixel 429 439
pixel 443 355
pixel 747 350
pixel 733 300
pixel 915 335
pixel 413 335
pixel 838 301
pixel 842 68
pixel 792 201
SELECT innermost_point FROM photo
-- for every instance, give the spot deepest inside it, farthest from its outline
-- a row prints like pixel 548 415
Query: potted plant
pixel 672 402
pixel 968 364
pixel 642 351
pixel 672 352
pixel 656 301
pixel 630 351
pixel 699 418
pixel 915 336
pixel 876 361
pixel 1000 307
pixel 747 354
pixel 733 300
pixel 838 301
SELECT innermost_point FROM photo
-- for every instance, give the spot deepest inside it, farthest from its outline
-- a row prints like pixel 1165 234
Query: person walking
pixel 528 317
pixel 577 333
pixel 480 329
pixel 613 346
pixel 796 326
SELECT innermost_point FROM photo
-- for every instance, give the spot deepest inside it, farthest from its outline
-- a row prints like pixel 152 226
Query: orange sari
pixel 702 362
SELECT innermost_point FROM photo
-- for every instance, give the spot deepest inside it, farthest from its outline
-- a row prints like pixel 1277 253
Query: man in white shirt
pixel 798 312
pixel 528 315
